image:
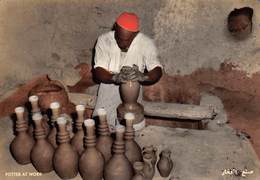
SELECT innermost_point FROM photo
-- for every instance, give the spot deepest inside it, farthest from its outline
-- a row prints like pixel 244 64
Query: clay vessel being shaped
pixel 118 167
pixel 91 163
pixel 65 160
pixel 129 93
pixel 104 141
pixel 165 163
pixel 42 152
pixel 22 144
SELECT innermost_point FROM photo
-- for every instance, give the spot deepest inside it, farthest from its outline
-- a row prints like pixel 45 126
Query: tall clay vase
pixel 35 109
pixel 22 144
pixel 138 168
pixel 52 137
pixel 77 140
pixel 42 152
pixel 118 167
pixel 91 163
pixel 104 141
pixel 133 151
pixel 65 160
pixel 129 92
pixel 152 151
pixel 165 163
pixel 149 168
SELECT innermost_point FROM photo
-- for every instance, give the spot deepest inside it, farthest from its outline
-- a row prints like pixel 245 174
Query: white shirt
pixel 109 56
pixel 141 52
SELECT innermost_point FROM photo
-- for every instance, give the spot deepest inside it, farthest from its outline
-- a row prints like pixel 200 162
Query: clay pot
pixel 152 151
pixel 165 163
pixel 22 144
pixel 65 160
pixel 240 22
pixel 49 92
pixel 91 163
pixel 42 152
pixel 55 109
pixel 129 92
pixel 118 167
pixel 133 151
pixel 138 168
pixel 77 140
pixel 104 141
pixel 149 168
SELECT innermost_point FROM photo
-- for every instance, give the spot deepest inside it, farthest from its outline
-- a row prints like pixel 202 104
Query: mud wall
pixel 52 36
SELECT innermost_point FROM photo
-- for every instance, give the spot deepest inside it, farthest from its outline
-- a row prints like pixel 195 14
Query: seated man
pixel 125 46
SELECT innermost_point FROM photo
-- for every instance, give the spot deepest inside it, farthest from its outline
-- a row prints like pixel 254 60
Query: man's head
pixel 127 27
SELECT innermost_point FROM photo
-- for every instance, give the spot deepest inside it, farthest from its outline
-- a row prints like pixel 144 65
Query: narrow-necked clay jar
pixel 42 152
pixel 130 92
pixel 22 144
pixel 118 167
pixel 91 163
pixel 104 141
pixel 165 163
pixel 65 160
pixel 52 137
pixel 133 151
pixel 34 103
pixel 149 168
pixel 150 149
pixel 77 140
pixel 138 169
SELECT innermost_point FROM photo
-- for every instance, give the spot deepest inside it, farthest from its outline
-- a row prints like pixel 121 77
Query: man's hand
pixel 138 75
pixel 119 78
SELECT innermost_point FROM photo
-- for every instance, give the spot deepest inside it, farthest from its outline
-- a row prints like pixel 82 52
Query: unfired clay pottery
pixel 65 160
pixel 49 92
pixel 138 168
pixel 104 141
pixel 34 103
pixel 165 163
pixel 118 167
pixel 42 151
pixel 91 163
pixel 77 140
pixel 152 151
pixel 133 151
pixel 129 92
pixel 22 144
pixel 52 137
pixel 149 168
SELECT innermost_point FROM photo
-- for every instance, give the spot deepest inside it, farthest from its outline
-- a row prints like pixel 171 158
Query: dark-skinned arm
pixel 153 76
pixel 101 75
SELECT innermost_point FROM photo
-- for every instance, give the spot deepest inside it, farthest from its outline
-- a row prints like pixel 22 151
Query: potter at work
pixel 123 55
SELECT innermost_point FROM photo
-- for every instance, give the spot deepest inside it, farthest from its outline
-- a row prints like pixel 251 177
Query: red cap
pixel 128 21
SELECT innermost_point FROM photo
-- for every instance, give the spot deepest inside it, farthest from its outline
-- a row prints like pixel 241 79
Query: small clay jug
pixel 138 169
pixel 77 140
pixel 150 149
pixel 22 144
pixel 165 163
pixel 118 167
pixel 65 160
pixel 104 141
pixel 91 163
pixel 42 151
pixel 52 136
pixel 133 151
pixel 149 168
